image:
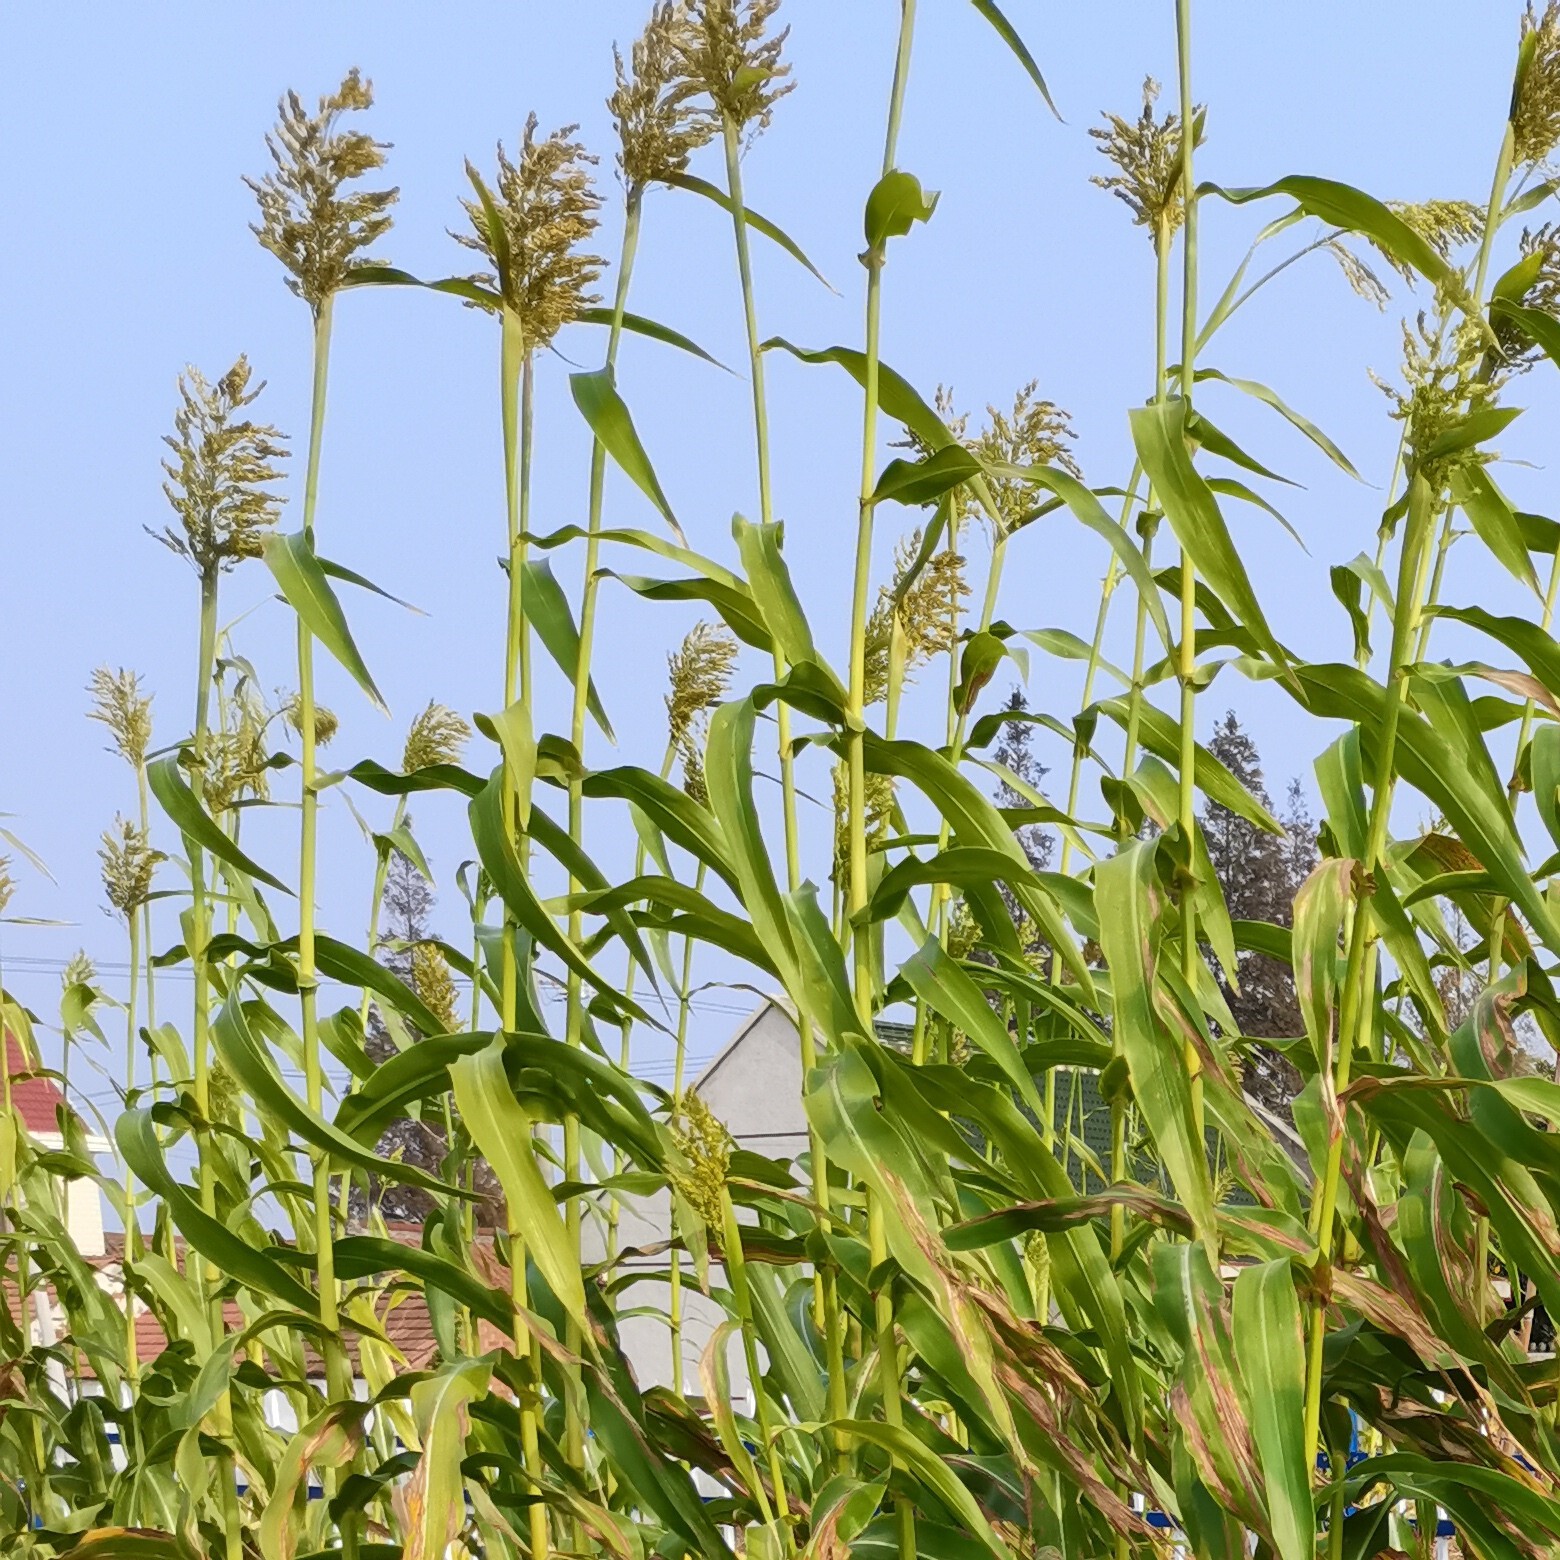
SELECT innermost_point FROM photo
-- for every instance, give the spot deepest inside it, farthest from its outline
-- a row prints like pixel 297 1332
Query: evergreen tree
pixel 1261 874
pixel 1016 752
pixel 416 1140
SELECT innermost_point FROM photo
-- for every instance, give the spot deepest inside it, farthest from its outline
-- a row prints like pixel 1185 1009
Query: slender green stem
pixel 736 1271
pixel 590 590
pixel 856 900
pixel 515 410
pixel 132 1247
pixel 1187 666
pixel 208 1279
pixel 1356 1015
pixel 308 989
pixel 679 1063
pixel 827 1300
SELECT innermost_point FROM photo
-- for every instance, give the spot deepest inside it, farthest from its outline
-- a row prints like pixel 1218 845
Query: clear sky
pixel 127 255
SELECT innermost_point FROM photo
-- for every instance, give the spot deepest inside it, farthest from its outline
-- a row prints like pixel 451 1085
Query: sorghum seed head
pixel 218 481
pixel 309 220
pixel 727 54
pixel 437 736
pixel 545 206
pixel 117 701
pixel 660 120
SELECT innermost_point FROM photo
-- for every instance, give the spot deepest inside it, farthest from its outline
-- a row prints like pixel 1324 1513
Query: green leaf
pixel 728 770
pixel 711 192
pixel 1345 207
pixel 330 1439
pixel 436 1496
pixel 250 1065
pixel 943 985
pixel 652 330
pixel 338 571
pixel 1130 902
pixel 895 205
pixel 975 821
pixel 773 592
pixel 360 1256
pixel 924 481
pixel 1159 432
pixel 1087 508
pixel 1542 329
pixel 1271 398
pixel 196 824
pixel 303 583
pixel 596 395
pixel 930 1470
pixel 1161 735
pixel 1437 764
pixel 1321 906
pixel 250 1265
pixel 502 1132
pixel 896 395
pixel 1493 518
pixel 509 878
pixel 548 612
pixel 1270 1353
pixel 1009 35
pixel 1538 649
pixel 1231 488
pixel 681 819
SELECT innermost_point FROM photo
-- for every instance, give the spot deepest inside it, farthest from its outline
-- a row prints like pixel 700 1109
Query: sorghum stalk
pixel 516 388
pixel 1118 1105
pixel 736 1270
pixel 598 471
pixel 861 941
pixel 1187 661
pixel 132 1221
pixel 833 1325
pixel 674 1303
pixel 208 1277
pixel 1356 1017
pixel 337 1369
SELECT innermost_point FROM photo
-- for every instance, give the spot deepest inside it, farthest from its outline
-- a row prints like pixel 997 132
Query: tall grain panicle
pixel 309 218
pixel 437 735
pixel 119 704
pixel 238 757
pixel 1036 432
pixel 543 210
pixel 706 1146
pixel 1146 152
pixel 1535 100
pixel 129 862
pixel 220 487
pixel 219 481
pixel 432 981
pixel 920 609
pixel 698 675
pixel 729 51
pixel 1446 225
pixel 326 721
pixel 658 111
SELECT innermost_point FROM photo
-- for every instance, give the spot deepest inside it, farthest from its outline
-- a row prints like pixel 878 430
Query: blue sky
pixel 127 252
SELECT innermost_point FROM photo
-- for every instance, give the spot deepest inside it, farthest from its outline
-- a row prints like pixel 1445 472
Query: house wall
pixel 754 1086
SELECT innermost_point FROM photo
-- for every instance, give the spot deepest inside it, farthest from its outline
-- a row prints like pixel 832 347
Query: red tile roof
pixel 33 1096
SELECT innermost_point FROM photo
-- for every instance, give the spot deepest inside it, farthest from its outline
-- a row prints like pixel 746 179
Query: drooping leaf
pixel 303 582
pixel 196 824
pixel 502 1131
pixel 596 395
